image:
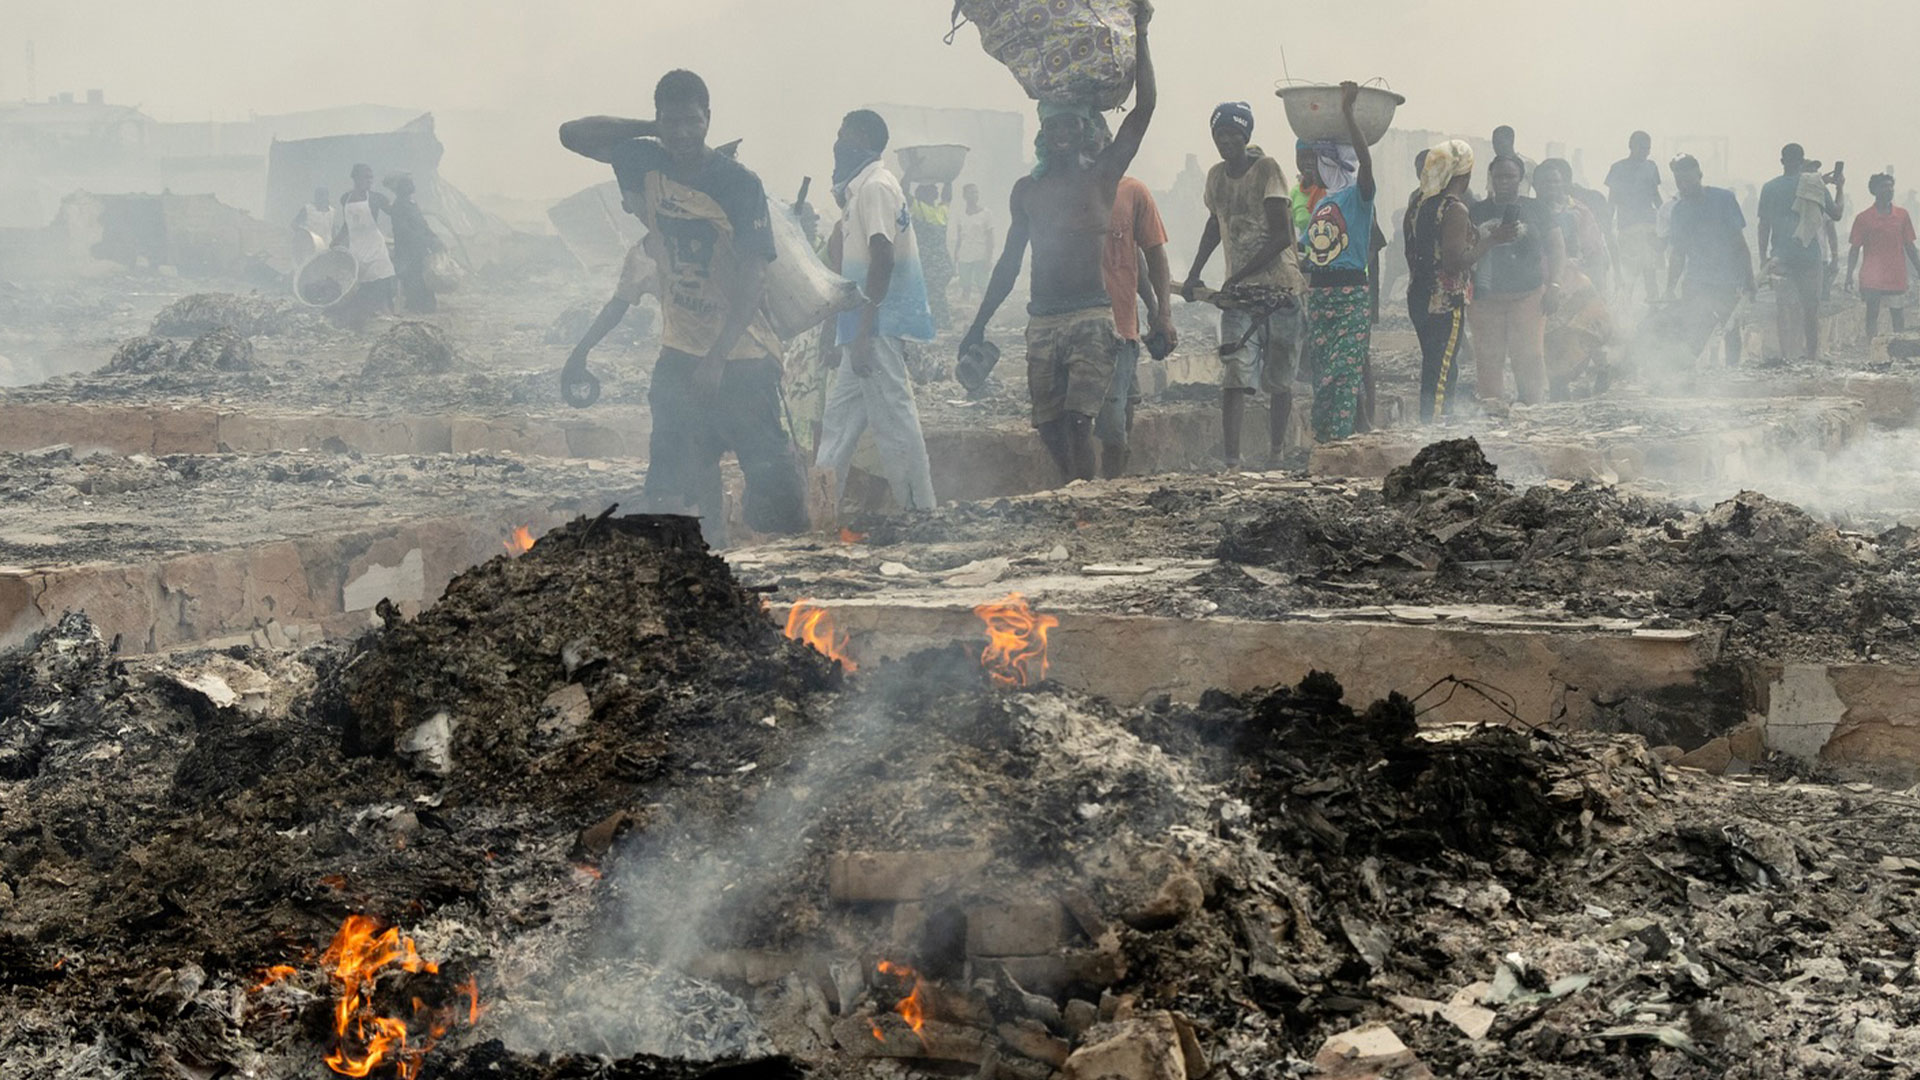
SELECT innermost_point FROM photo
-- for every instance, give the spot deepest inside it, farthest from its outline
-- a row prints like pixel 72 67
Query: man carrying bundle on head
pixel 1064 208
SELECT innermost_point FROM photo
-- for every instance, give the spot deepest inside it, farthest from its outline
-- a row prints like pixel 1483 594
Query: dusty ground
pixel 594 769
pixel 67 508
pixel 510 341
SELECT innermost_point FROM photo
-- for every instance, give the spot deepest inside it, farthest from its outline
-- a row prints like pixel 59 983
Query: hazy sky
pixel 501 75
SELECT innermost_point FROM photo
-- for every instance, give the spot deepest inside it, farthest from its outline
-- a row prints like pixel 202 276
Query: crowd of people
pixel 1524 279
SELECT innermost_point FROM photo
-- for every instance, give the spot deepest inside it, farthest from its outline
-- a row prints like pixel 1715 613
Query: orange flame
pixel 812 625
pixel 521 541
pixel 272 975
pixel 471 988
pixel 363 1039
pixel 913 1007
pixel 848 536
pixel 1016 652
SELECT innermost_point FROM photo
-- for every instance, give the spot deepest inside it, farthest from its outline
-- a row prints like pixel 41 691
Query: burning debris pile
pixel 595 805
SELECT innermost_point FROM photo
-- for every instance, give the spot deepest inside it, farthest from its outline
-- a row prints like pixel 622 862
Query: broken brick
pixel 1026 929
pixel 863 877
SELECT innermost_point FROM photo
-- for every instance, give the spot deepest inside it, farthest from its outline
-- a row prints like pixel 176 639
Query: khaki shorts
pixel 638 275
pixel 1249 367
pixel 1070 362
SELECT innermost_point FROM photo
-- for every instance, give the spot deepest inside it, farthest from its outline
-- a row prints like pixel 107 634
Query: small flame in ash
pixel 1016 652
pixel 471 988
pixel 812 625
pixel 913 1007
pixel 521 541
pixel 848 536
pixel 274 974
pixel 363 1039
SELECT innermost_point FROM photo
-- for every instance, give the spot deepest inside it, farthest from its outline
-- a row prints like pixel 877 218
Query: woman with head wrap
pixel 1339 254
pixel 1442 248
pixel 1251 212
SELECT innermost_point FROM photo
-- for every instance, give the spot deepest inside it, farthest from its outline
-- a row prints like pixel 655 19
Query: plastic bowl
pixel 1314 112
pixel 326 279
pixel 931 164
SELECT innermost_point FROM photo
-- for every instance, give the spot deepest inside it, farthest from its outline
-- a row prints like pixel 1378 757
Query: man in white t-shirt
pixel 874 246
pixel 973 248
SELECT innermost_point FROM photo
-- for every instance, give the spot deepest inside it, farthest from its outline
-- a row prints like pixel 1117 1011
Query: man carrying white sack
pixel 874 244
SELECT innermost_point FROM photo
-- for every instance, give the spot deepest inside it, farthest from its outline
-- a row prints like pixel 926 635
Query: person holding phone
pixel 1515 288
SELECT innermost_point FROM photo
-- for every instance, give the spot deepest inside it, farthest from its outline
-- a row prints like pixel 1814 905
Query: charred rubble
pixel 1766 579
pixel 610 821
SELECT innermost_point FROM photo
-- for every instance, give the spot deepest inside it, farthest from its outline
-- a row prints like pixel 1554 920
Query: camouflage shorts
pixel 1070 362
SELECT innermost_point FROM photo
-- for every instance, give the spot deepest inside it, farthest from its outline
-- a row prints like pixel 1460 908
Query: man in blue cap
pixel 1251 210
pixel 1064 208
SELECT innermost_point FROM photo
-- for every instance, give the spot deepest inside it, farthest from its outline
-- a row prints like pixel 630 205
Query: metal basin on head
pixel 1314 112
pixel 931 164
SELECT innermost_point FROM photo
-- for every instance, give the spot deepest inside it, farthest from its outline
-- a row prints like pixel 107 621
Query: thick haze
pixel 500 76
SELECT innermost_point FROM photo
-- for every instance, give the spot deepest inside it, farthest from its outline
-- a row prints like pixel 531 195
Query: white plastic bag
pixel 1078 51
pixel 801 292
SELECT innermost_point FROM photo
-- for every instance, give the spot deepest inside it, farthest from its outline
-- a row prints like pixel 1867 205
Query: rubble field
pixel 602 818
pixel 491 354
pixel 1769 580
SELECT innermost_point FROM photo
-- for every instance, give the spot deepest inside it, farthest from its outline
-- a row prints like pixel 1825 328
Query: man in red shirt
pixel 1885 233
pixel 1134 231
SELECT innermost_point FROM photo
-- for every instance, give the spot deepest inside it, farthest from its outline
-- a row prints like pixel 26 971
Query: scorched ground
pixel 595 814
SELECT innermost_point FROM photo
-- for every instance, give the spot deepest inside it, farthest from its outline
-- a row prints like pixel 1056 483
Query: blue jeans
pixel 1114 422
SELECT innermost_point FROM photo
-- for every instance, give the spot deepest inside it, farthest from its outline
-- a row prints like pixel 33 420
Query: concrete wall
pixel 284 590
pixel 1545 677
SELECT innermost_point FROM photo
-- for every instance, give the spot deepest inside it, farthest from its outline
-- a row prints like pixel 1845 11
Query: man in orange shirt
pixel 1136 238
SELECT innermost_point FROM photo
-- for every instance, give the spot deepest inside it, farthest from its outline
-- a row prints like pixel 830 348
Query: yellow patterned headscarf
pixel 1444 162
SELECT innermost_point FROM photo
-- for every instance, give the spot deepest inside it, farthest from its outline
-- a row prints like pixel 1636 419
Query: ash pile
pixel 593 814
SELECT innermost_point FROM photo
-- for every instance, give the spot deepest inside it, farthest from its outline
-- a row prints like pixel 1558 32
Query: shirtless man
pixel 1064 208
